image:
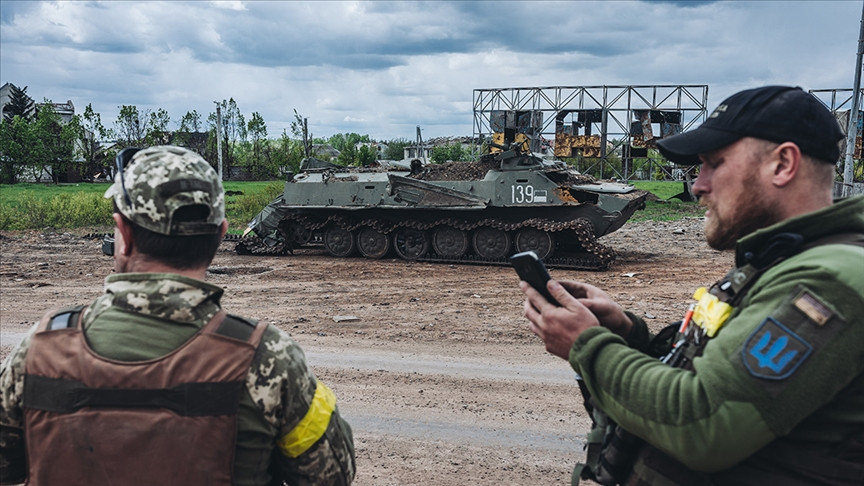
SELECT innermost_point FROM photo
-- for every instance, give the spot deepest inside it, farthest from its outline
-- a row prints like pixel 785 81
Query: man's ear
pixel 125 230
pixel 786 163
pixel 223 228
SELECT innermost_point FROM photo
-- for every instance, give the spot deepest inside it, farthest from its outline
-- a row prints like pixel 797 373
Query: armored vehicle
pixel 459 212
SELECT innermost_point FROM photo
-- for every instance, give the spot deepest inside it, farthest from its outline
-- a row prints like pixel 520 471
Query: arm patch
pixel 796 329
pixel 773 352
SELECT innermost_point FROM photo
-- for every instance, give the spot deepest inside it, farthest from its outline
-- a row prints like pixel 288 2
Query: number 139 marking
pixel 521 194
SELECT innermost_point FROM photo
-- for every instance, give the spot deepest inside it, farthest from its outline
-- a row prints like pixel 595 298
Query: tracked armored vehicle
pixel 459 212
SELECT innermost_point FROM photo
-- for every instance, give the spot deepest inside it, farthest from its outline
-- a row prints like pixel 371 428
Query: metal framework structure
pixel 840 102
pixel 606 130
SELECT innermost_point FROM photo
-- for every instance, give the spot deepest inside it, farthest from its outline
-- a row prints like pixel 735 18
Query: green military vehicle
pixel 459 212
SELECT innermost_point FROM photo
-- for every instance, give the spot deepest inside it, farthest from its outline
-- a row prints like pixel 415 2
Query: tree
pixel 131 126
pixel 396 149
pixel 233 131
pixel 342 141
pixel 90 133
pixel 54 144
pixel 366 156
pixel 286 154
pixel 451 151
pixel 257 130
pixel 347 155
pixel 19 104
pixel 189 133
pixel 157 128
pixel 17 148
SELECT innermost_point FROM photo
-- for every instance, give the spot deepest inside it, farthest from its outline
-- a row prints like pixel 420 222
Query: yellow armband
pixel 312 426
pixel 710 312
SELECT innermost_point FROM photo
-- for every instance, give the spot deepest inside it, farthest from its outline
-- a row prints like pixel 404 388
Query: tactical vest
pixel 171 420
pixel 614 456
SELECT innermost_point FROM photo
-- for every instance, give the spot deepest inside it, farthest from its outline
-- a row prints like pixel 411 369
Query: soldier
pixel 764 384
pixel 153 383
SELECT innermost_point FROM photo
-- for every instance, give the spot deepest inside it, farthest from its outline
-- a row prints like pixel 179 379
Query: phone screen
pixel 530 268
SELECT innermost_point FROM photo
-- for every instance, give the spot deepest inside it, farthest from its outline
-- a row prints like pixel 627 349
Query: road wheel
pixel 450 242
pixel 410 243
pixel 339 242
pixel 373 243
pixel 491 242
pixel 540 242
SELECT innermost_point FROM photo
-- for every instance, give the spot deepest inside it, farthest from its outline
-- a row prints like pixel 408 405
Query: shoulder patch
pixel 773 352
pixel 812 307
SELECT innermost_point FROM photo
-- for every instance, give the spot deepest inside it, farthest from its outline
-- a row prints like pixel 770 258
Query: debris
pixel 628 274
pixel 649 316
pixel 345 318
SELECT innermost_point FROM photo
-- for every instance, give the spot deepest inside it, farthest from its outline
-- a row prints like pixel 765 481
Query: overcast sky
pixel 382 68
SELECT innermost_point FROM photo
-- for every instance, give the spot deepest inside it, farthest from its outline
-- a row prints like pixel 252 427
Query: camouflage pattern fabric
pixel 159 181
pixel 165 310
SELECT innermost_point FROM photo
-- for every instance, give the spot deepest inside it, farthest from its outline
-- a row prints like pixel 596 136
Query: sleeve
pixel 314 444
pixel 784 354
pixel 13 458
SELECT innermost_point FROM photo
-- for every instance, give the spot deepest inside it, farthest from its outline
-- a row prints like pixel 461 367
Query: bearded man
pixel 764 384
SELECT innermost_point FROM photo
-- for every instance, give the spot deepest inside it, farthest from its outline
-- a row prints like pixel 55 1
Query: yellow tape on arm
pixel 312 426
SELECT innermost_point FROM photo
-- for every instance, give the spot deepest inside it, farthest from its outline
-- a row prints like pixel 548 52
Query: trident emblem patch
pixel 773 352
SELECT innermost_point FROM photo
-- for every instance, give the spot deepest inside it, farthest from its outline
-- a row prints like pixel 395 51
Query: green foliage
pixel 341 141
pixel 396 149
pixel 19 104
pixel 131 126
pixel 64 210
pixel 68 206
pixel 89 131
pixel 452 151
pixel 347 155
pixel 17 138
pixel 366 156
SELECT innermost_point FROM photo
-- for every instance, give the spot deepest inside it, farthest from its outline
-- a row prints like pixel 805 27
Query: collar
pixel 763 246
pixel 163 295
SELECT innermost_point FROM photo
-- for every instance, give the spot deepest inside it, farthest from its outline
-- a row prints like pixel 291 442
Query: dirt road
pixel 433 364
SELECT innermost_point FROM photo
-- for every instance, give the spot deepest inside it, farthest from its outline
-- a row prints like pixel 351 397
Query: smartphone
pixel 531 269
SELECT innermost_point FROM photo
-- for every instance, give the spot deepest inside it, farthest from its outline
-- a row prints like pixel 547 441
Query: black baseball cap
pixel 774 113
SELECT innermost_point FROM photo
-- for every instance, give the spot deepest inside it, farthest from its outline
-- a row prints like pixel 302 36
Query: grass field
pixel 67 206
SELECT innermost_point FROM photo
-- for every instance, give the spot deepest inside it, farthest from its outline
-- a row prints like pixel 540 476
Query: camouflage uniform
pixel 288 425
pixel 165 310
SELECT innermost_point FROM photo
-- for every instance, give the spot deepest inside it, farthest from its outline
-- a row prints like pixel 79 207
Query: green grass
pixel 665 209
pixel 43 206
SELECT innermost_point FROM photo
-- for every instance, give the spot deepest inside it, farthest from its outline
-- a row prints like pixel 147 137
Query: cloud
pixel 383 68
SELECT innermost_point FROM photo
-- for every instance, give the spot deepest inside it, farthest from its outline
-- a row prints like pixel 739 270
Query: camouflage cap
pixel 162 180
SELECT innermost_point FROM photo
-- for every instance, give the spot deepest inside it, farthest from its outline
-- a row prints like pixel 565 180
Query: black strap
pixel 189 400
pixel 734 286
pixel 236 327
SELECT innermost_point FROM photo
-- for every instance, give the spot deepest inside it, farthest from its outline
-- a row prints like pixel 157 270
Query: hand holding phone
pixel 531 269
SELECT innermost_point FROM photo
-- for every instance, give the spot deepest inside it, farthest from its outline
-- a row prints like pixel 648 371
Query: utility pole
pixel 306 148
pixel 219 137
pixel 420 151
pixel 852 128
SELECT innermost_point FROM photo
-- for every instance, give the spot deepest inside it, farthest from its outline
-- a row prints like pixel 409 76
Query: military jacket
pixel 784 373
pixel 288 425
